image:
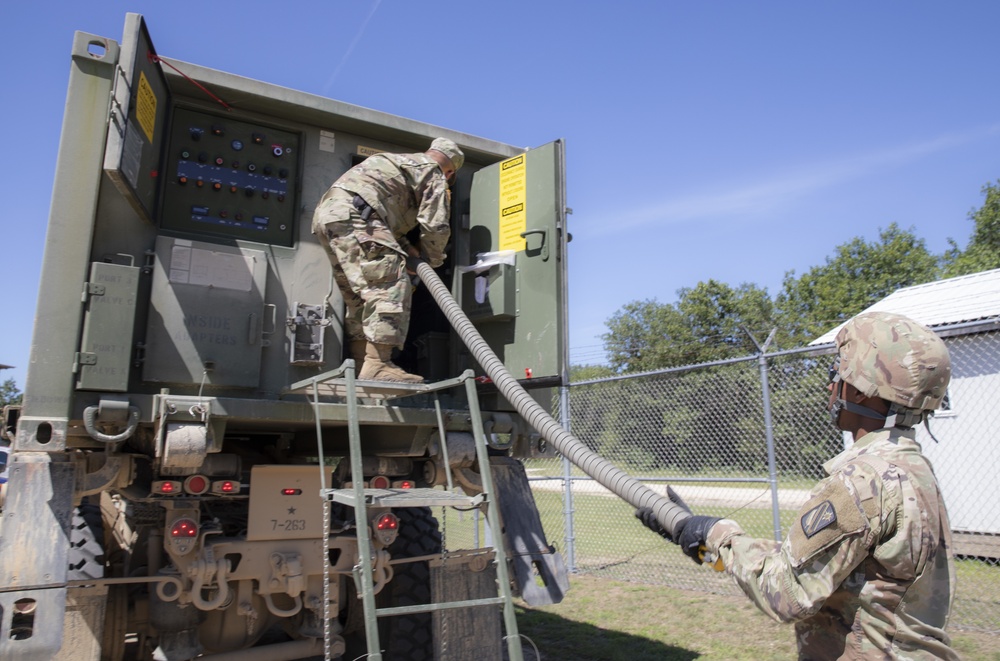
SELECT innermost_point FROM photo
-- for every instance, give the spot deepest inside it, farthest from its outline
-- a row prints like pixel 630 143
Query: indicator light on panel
pixel 257 138
pixel 199 183
pixel 218 130
pixel 196 484
pixel 251 167
pixel 185 154
pixel 225 487
pixel 182 180
pixel 167 487
pixel 277 150
pixel 291 492
pixel 219 160
pixel 216 185
pixel 195 133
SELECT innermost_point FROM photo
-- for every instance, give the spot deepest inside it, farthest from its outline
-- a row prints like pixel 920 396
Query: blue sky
pixel 725 139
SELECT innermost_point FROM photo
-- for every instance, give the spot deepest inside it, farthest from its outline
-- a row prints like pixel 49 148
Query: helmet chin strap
pixel 857 409
pixel 898 416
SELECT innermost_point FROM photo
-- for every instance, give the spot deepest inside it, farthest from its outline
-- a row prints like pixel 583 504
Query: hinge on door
pixel 83 358
pixel 90 289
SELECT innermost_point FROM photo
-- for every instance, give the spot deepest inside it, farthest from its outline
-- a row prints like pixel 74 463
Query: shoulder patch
pixel 830 515
pixel 819 517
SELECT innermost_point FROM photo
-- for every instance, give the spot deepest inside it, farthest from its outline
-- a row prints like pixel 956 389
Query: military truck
pixel 195 470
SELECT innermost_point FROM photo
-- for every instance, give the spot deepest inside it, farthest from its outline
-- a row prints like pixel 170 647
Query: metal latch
pixel 307 325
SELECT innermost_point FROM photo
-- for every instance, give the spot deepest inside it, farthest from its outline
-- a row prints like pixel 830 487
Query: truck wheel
pixel 86 551
pixel 402 637
pixel 410 637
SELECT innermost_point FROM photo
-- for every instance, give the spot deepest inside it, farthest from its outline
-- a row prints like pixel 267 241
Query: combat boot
pixel 357 349
pixel 379 367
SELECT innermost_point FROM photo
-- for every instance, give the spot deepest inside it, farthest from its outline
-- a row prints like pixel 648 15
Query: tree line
pixel 711 320
pixel 709 420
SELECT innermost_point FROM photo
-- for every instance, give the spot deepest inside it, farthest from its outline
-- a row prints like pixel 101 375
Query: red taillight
pixel 167 487
pixel 387 522
pixel 379 482
pixel 184 528
pixel 291 492
pixel 223 487
pixel 196 485
pixel 404 484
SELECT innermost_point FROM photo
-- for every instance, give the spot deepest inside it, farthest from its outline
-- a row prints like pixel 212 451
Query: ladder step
pixel 444 605
pixel 405 498
pixel 331 384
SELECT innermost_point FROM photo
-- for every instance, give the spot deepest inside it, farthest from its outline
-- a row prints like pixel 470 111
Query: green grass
pixel 622 606
pixel 608 620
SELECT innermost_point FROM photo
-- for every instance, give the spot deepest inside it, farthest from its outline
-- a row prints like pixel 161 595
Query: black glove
pixel 645 514
pixel 692 535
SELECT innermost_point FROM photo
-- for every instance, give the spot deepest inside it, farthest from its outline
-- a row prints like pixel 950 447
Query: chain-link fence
pixel 746 439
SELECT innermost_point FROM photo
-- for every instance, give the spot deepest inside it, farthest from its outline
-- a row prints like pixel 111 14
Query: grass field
pixel 637 597
pixel 608 620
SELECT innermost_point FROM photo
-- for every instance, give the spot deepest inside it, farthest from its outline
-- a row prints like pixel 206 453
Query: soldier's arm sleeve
pixel 791 580
pixel 434 218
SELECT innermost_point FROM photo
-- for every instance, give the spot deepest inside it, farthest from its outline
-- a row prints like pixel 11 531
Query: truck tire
pixel 401 637
pixel 410 637
pixel 86 550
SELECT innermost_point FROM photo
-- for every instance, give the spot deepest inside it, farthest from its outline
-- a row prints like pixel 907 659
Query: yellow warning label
pixel 368 151
pixel 145 106
pixel 513 194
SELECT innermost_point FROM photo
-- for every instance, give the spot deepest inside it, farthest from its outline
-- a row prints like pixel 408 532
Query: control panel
pixel 230 179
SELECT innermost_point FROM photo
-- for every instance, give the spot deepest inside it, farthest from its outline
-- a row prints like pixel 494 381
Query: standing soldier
pixel 866 571
pixel 362 222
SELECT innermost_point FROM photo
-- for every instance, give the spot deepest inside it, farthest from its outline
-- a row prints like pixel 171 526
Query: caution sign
pixel 145 106
pixel 513 195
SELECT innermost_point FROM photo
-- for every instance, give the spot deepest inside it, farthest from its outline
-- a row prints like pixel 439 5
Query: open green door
pixel 517 298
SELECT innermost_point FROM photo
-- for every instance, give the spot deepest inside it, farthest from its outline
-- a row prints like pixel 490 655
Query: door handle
pixel 543 247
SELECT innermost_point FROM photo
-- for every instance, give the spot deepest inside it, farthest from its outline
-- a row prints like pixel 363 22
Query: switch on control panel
pixel 221 155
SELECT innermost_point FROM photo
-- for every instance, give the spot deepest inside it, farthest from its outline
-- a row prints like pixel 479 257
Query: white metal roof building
pixel 943 303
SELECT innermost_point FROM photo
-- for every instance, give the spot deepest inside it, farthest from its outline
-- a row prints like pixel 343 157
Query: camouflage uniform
pixel 867 570
pixel 369 256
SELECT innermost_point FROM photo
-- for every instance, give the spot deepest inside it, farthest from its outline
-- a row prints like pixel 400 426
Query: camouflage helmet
pixel 893 357
pixel 451 150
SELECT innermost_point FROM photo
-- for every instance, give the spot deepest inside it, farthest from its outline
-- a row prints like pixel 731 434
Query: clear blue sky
pixel 728 139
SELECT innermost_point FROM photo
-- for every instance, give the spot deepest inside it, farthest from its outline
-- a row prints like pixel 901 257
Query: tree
pixel 983 251
pixel 579 373
pixel 858 275
pixel 707 323
pixel 9 394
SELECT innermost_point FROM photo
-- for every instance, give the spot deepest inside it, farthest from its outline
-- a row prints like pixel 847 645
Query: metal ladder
pixel 342 383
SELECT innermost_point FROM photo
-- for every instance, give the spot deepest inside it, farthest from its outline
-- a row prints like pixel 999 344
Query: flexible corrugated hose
pixel 667 512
